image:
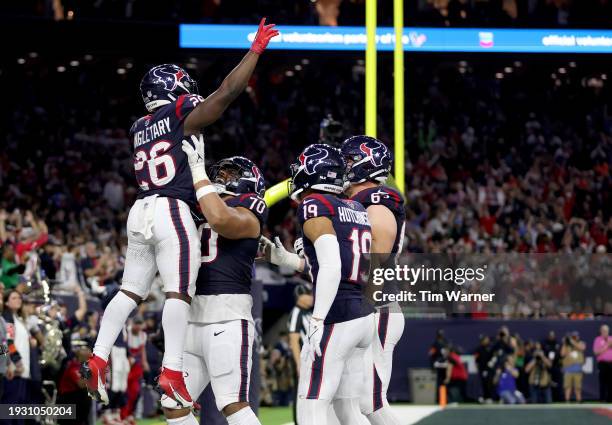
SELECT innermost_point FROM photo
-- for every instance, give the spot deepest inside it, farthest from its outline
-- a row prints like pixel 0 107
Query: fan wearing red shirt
pixel 72 388
pixel 456 377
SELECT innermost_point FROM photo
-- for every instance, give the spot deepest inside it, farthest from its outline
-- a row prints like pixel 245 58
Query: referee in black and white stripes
pixel 297 326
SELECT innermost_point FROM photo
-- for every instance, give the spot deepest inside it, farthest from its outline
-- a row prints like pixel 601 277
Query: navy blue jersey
pixel 390 198
pixel 227 264
pixel 352 227
pixel 160 164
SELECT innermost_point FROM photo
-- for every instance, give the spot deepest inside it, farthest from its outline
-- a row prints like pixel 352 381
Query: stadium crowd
pixel 513 370
pixel 453 13
pixel 496 163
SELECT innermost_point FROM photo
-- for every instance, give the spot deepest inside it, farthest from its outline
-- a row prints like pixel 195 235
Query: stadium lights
pixel 74 63
pixel 21 61
pixel 508 70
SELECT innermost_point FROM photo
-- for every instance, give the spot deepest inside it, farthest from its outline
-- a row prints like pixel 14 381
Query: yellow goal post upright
pixel 280 190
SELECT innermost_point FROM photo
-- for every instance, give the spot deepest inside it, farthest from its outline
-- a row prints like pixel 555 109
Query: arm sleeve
pixel 330 272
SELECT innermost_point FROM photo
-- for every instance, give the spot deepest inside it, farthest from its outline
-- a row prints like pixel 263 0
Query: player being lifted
pixel 162 235
pixel 336 239
pixel 221 329
pixel 368 166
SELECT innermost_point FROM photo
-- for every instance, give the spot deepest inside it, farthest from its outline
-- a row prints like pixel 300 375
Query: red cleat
pixel 94 371
pixel 174 392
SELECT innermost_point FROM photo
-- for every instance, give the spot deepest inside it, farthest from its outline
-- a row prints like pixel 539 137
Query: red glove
pixel 263 36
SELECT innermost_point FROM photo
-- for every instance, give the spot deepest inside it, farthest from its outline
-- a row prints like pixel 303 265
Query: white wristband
pixel 199 173
pixel 205 190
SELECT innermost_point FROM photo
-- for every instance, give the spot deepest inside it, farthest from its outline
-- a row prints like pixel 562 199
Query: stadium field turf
pixel 267 416
pixel 467 415
pixel 540 415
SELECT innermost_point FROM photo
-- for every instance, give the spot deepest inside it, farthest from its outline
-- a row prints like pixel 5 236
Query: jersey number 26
pixel 160 166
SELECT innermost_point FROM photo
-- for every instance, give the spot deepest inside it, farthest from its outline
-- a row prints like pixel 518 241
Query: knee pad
pixel 183 420
pixel 347 411
pixel 312 412
pixel 383 416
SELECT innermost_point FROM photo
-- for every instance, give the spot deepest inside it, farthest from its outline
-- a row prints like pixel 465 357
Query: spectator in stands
pixel 9 269
pixel 572 355
pixel 483 357
pixel 4 359
pixel 68 271
pixel 438 357
pixel 456 377
pixel 281 362
pixel 540 381
pixel 552 350
pixel 72 389
pixel 505 379
pixel 32 237
pixel 18 340
pixel 602 347
pixel 136 340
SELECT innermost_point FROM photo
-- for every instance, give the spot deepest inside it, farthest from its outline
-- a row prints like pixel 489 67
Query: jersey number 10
pixel 361 243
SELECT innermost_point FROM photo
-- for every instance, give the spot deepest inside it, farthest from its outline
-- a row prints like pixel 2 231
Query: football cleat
pixel 174 392
pixel 94 372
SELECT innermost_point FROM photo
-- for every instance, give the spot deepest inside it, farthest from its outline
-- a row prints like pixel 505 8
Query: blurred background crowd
pixel 454 13
pixel 514 370
pixel 503 156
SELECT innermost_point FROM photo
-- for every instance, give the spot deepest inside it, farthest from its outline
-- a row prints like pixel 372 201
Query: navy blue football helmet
pixel 163 84
pixel 237 175
pixel 367 159
pixel 319 167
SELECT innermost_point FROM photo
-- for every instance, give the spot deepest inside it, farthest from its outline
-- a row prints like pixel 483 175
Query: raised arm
pixel 209 110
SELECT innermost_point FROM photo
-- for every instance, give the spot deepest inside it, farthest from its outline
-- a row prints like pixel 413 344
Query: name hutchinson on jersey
pixel 152 132
pixel 348 215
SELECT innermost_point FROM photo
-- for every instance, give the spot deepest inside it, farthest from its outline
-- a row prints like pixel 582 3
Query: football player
pixel 162 235
pixel 336 240
pixel 368 166
pixel 221 329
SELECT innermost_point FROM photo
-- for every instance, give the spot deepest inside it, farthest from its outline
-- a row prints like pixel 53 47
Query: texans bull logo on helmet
pixel 259 180
pixel 171 80
pixel 375 152
pixel 311 159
